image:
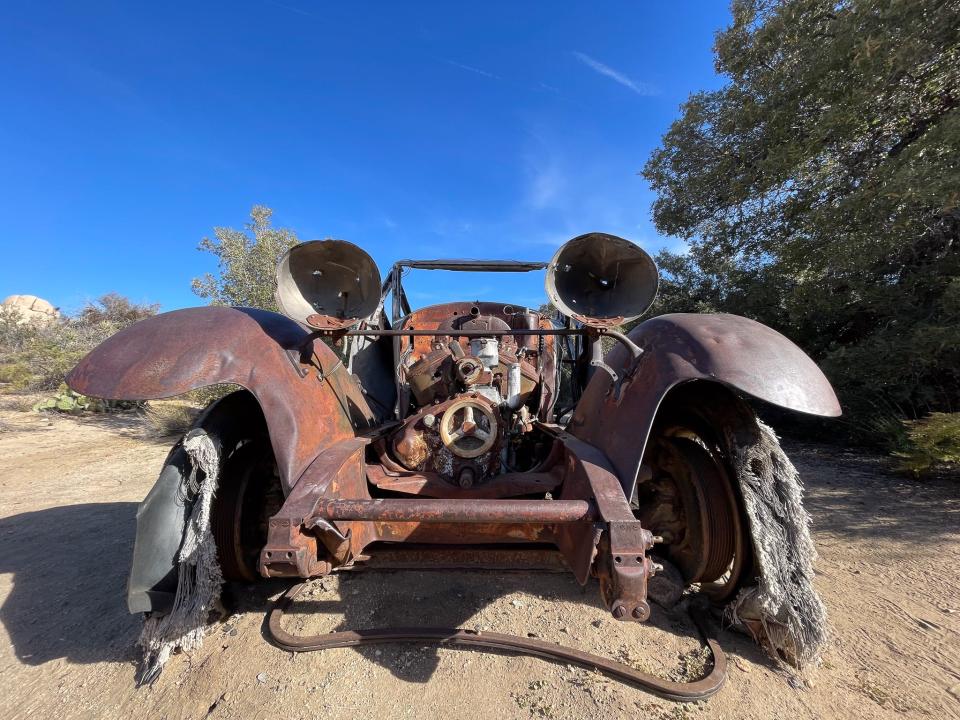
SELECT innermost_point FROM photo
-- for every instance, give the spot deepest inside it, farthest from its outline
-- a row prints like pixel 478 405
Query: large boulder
pixel 31 309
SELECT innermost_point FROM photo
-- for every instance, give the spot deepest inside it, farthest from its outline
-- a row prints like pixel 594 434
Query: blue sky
pixel 499 129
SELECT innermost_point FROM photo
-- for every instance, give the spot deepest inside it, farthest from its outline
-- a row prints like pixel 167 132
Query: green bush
pixel 934 441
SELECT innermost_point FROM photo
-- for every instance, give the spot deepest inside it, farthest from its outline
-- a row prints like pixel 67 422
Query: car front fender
pixel 308 398
pixel 727 349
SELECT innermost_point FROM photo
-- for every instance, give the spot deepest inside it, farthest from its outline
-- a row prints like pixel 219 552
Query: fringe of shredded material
pixel 784 613
pixel 200 579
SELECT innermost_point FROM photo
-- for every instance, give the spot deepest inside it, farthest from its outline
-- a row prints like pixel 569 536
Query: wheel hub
pixel 690 501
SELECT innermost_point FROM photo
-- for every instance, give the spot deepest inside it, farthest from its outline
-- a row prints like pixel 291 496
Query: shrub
pixel 247 262
pixel 934 442
pixel 38 356
pixel 15 376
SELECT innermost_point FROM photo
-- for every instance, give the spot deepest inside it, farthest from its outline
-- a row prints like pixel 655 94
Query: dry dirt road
pixel 69 488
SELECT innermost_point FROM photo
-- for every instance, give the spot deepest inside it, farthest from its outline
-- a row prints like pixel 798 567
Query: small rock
pixel 597 623
pixel 262 677
pixel 516 603
pixel 565 629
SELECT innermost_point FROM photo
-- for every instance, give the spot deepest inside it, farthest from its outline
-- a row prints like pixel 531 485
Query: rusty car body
pixel 472 434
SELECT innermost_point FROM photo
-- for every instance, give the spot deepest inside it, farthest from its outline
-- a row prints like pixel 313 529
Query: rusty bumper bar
pixel 329 518
pixel 460 511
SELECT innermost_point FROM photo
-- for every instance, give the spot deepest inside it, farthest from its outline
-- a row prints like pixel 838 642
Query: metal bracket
pixel 623 568
pixel 290 553
pixel 610 371
pixel 335 541
pixel 296 358
pixel 620 562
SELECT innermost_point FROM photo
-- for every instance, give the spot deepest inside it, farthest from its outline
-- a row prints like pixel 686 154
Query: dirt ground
pixel 69 489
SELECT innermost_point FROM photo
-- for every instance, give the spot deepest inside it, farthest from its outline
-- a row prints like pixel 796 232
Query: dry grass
pixel 170 417
pixel 20 402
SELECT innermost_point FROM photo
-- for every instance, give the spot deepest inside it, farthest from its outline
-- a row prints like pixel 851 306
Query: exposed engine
pixel 471 403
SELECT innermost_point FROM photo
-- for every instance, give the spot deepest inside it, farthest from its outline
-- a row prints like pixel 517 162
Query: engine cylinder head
pixel 327 284
pixel 601 279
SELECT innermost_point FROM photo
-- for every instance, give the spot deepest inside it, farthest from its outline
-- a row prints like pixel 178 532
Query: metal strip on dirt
pixel 681 692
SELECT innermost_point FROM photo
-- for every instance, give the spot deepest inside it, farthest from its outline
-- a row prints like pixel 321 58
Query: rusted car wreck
pixel 474 434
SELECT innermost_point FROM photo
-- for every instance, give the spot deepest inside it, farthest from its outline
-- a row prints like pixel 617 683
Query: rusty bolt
pixel 641 612
pixel 619 611
pixel 429 420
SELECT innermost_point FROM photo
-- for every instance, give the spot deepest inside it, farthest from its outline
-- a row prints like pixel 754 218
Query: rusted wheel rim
pixel 240 509
pixel 729 581
pixel 713 548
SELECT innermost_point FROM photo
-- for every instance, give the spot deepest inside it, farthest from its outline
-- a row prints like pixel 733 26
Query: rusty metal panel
pixel 172 353
pixel 731 350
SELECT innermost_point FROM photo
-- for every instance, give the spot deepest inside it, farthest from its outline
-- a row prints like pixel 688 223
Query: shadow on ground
pixel 69 567
pixel 855 494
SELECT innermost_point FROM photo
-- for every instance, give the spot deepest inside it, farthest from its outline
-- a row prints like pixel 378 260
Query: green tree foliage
pixel 247 262
pixel 819 192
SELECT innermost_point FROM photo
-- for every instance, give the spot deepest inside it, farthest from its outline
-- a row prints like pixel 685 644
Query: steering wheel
pixel 468 428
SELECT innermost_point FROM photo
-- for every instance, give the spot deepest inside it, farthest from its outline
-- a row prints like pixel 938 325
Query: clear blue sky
pixel 496 129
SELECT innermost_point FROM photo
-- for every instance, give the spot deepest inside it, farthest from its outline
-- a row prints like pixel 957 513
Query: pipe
pixel 459 511
pixel 514 401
